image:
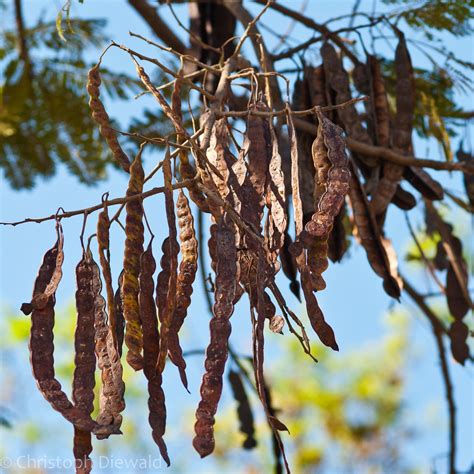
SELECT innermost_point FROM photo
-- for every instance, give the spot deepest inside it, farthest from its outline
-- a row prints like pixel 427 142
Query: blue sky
pixel 353 301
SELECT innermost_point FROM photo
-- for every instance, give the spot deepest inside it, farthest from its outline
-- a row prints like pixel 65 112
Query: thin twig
pixel 112 202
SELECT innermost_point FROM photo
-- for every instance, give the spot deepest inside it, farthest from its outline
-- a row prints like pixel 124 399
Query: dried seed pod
pixel 288 264
pixel 338 178
pixel 315 315
pixel 338 242
pixel 220 328
pixel 275 199
pixel 103 241
pixel 468 179
pixel 42 347
pixel 119 319
pixel 424 183
pixel 338 79
pixel 403 199
pixel 244 410
pixel 258 149
pixel 111 401
pixel 134 232
pixel 41 299
pixel 402 128
pixel 151 349
pixel 317 260
pixel 85 362
pixel 169 264
pixel 370 237
pixel 186 276
pixel 101 117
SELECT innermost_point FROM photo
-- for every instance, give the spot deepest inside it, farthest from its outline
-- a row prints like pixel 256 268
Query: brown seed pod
pixel 120 320
pixel 338 80
pixel 134 232
pixel 370 237
pixel 424 183
pixel 101 117
pixel 169 262
pixel 111 401
pixel 151 349
pixel 288 265
pixel 186 276
pixel 338 241
pixel 275 199
pixel 103 242
pixel 42 347
pixel 468 179
pixel 244 410
pixel 315 315
pixel 403 199
pixel 85 362
pixel 338 178
pixel 402 128
pixel 220 328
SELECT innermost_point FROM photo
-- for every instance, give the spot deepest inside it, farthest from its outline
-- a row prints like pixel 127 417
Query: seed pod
pixel 468 179
pixel 370 238
pixel 169 264
pixel 288 264
pixel 120 321
pixel 403 199
pixel 338 178
pixel 338 242
pixel 186 276
pixel 41 299
pixel 134 232
pixel 338 79
pixel 258 149
pixel 111 401
pixel 424 183
pixel 151 349
pixel 42 347
pixel 220 328
pixel 103 239
pixel 85 361
pixel 402 127
pixel 101 117
pixel 244 410
pixel 275 199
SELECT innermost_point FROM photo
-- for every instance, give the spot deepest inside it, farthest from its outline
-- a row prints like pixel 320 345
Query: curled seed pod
pixel 338 80
pixel 370 238
pixel 100 116
pixel 220 328
pixel 111 401
pixel 424 183
pixel 85 361
pixel 134 232
pixel 41 299
pixel 244 410
pixel 42 347
pixel 151 349
pixel 170 260
pixel 186 276
pixel 338 178
pixel 103 241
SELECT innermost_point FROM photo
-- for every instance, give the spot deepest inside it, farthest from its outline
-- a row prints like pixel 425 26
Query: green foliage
pixel 437 15
pixel 45 117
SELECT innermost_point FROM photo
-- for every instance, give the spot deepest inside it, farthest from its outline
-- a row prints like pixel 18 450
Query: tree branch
pixel 159 27
pixel 111 202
